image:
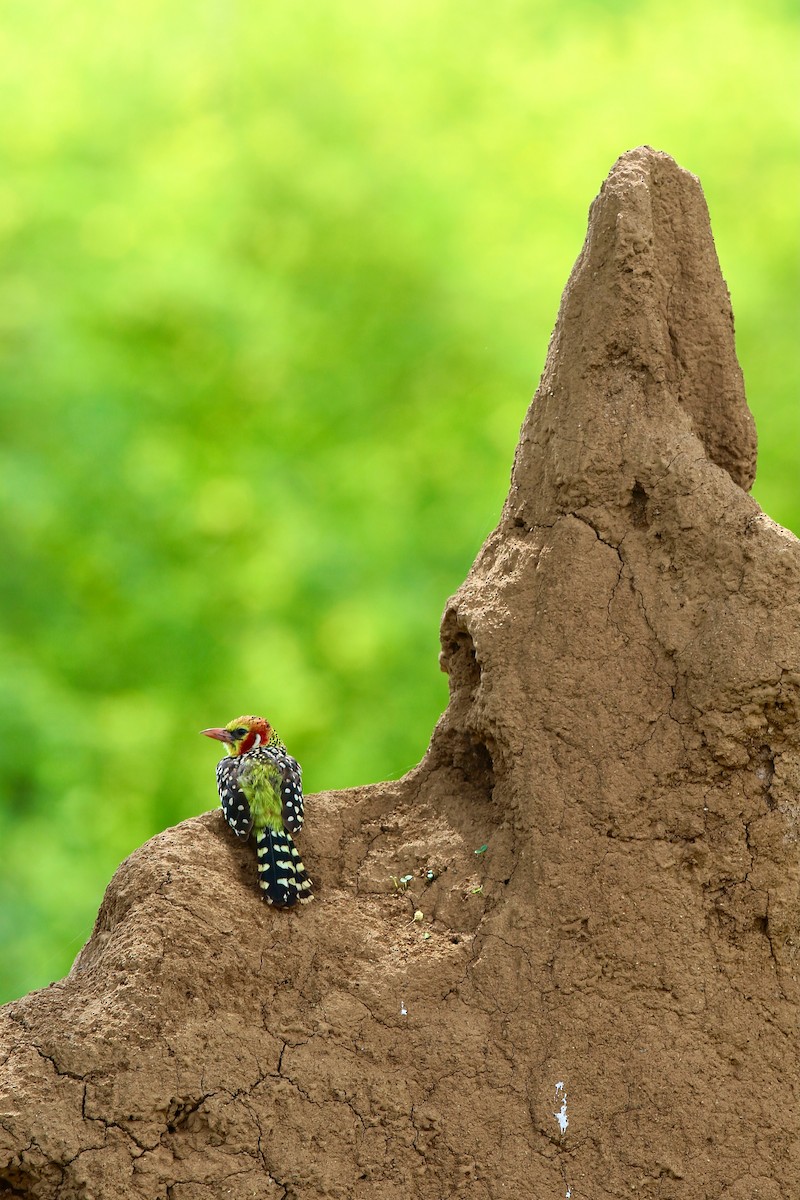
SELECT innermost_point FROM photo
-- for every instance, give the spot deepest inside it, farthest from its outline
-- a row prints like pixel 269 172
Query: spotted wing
pixel 291 793
pixel 233 800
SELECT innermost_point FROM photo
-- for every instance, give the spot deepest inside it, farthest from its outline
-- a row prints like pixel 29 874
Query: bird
pixel 261 791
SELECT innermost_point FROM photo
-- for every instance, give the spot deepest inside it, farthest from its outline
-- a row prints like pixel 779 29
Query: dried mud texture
pixel 603 1002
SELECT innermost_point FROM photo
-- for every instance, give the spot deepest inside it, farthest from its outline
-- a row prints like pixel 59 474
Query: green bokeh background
pixel 277 284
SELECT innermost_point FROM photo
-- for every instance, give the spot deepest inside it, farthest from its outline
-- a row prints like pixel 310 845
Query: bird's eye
pixel 239 733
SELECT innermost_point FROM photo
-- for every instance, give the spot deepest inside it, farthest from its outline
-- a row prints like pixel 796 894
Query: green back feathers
pixel 260 780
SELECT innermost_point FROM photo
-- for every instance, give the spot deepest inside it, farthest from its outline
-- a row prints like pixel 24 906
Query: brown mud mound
pixel 601 997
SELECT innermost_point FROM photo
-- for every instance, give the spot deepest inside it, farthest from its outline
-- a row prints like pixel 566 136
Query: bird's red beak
pixel 222 735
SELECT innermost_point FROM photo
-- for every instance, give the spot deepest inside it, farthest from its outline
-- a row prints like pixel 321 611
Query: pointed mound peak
pixel 645 330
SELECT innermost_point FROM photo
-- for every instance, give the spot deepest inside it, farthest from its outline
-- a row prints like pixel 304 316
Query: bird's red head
pixel 243 734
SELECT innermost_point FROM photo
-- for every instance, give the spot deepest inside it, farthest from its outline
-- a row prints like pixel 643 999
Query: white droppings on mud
pixel 561 1115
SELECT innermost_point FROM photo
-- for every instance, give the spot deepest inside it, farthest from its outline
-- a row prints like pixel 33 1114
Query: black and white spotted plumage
pixel 291 792
pixel 260 791
pixel 235 804
pixel 281 875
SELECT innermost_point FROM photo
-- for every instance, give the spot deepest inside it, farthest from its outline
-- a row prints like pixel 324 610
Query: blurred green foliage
pixel 277 286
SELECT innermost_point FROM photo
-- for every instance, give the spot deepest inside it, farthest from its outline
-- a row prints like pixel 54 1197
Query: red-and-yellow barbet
pixel 260 788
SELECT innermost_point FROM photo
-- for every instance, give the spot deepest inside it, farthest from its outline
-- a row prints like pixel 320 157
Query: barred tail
pixel 281 875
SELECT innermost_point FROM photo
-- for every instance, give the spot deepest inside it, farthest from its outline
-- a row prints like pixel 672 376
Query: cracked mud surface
pixel 604 1000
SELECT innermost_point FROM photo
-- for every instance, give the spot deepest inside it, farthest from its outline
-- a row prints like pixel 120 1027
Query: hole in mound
pixel 638 506
pixel 184 1114
pixel 15 1182
pixel 465 795
pixel 458 658
pixel 474 761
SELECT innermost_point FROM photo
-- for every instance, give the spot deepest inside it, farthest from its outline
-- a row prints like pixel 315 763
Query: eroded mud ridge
pixel 601 997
